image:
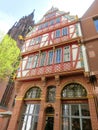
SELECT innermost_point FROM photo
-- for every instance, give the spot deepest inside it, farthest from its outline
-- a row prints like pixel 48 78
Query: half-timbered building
pixel 53 91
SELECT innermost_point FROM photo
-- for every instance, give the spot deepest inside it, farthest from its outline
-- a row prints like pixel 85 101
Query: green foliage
pixel 9 57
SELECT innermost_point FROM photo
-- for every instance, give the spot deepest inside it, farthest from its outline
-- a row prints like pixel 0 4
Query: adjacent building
pixel 52 84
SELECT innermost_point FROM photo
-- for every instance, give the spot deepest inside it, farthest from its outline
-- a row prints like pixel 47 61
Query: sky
pixel 12 10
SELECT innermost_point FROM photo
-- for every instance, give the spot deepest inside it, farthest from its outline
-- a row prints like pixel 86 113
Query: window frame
pixel 65 31
pixel 58 33
pixel 66 53
pixel 59 59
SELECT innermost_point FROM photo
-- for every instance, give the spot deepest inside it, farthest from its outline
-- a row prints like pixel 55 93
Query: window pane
pixel 32 42
pixel 33 93
pixel 58 55
pixel 35 61
pixel 51 94
pixel 76 124
pixel 38 40
pixel 52 22
pixel 75 110
pixel 86 123
pixel 85 110
pixel 96 24
pixel 65 110
pixel 64 31
pixel 57 34
pixel 66 53
pixel 50 57
pixel 30 120
pixel 43 59
pixel 29 62
pixel 58 20
pixel 65 124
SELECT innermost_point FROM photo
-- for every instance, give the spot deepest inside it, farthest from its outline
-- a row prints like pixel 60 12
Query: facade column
pixel 14 121
pixel 93 113
pixel 41 118
pixel 57 115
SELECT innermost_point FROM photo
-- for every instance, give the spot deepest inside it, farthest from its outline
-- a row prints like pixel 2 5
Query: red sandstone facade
pixel 52 85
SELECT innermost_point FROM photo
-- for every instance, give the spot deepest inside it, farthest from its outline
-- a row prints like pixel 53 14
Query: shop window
pixel 50 57
pixel 64 31
pixel 51 94
pixel 57 34
pixel 29 62
pixel 96 23
pixel 66 53
pixel 34 92
pixel 58 55
pixel 74 90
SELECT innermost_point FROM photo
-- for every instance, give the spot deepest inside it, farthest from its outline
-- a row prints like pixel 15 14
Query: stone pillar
pixel 14 121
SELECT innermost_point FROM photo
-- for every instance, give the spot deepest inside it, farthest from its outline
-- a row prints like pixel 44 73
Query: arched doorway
pixel 49 119
pixel 75 108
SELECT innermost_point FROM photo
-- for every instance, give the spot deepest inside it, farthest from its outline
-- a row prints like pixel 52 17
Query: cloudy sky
pixel 12 10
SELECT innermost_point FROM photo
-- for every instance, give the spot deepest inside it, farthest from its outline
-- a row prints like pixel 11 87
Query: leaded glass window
pixel 34 92
pixel 51 94
pixel 74 90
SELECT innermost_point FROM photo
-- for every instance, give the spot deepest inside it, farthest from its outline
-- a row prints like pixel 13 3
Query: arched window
pixel 74 90
pixel 34 92
pixel 75 113
pixel 51 94
pixel 30 111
